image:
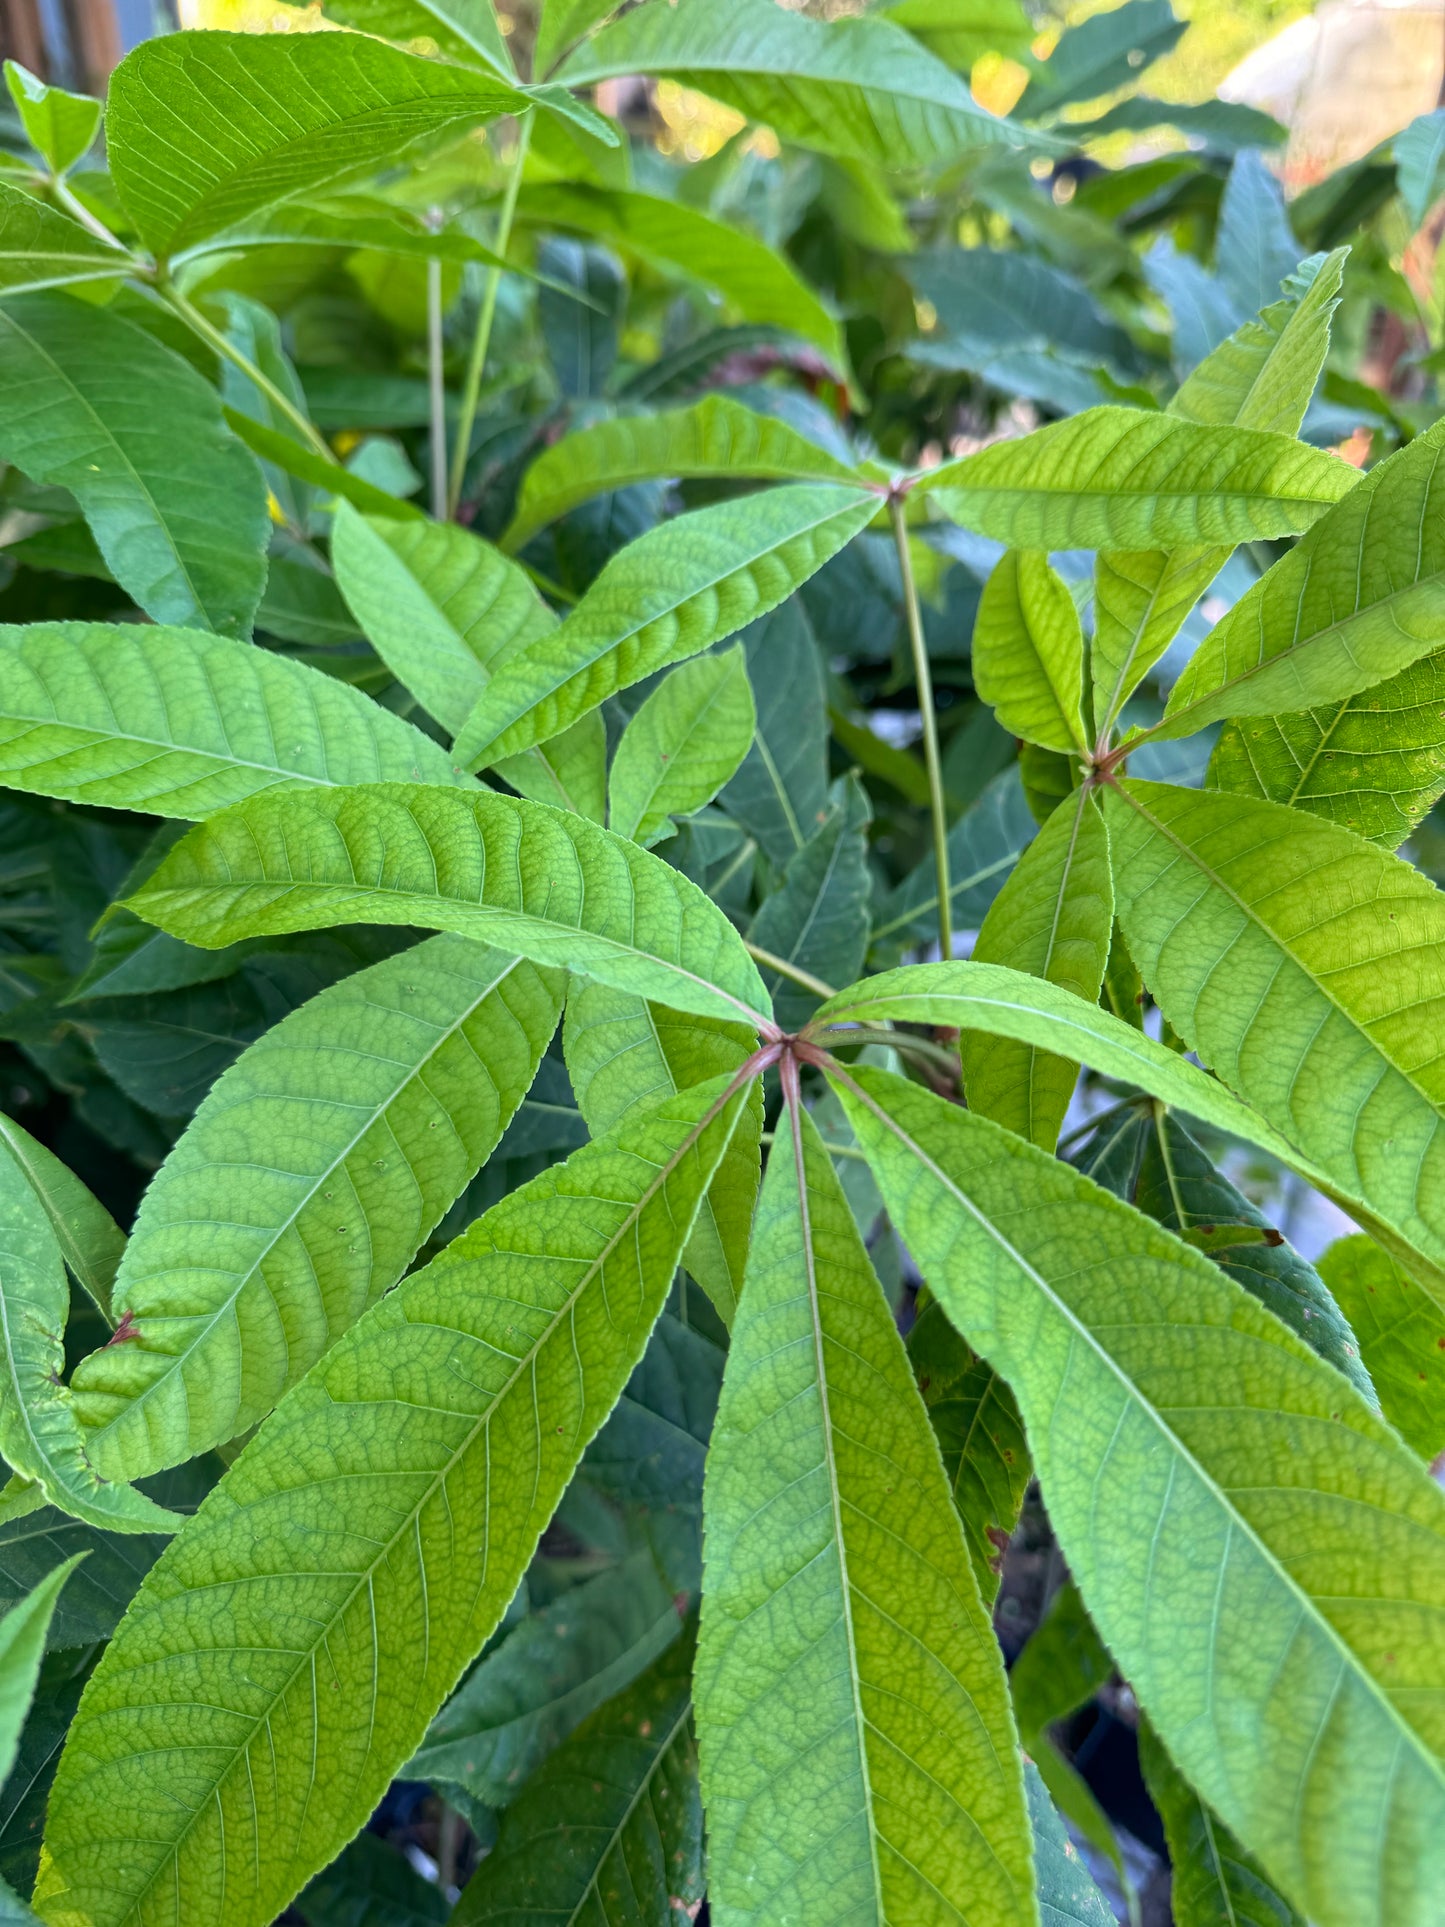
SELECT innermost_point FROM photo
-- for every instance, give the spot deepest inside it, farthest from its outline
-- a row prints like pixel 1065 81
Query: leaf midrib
pixel 524 1364
pixel 1353 1664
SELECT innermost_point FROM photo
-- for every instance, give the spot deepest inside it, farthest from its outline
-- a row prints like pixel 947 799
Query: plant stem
pixel 834 1150
pixel 436 385
pixel 481 341
pixel 72 204
pixel 923 676
pixel 803 978
pixel 278 399
pixel 922 1048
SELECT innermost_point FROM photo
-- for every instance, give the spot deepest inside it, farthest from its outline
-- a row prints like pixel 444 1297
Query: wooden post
pixel 22 36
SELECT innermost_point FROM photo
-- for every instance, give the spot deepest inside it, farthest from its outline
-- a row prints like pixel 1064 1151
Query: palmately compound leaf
pixel 1356 601
pixel 1262 376
pixel 93 403
pixel 841 1622
pixel 284 1658
pixel 177 722
pixel 610 1830
pixel 686 740
pixel 203 129
pixel 1295 1674
pixel 1121 478
pixel 90 1240
pixel 715 437
pixel 1374 763
pixel 40 1433
pixel 1401 1334
pixel 1307 968
pixel 23 1642
pixel 42 249
pixel 670 594
pixel 757 282
pixel 311 1175
pixel 1028 652
pixel 1212 1878
pixel 514 874
pixel 1054 918
pixel 625 1055
pixel 863 89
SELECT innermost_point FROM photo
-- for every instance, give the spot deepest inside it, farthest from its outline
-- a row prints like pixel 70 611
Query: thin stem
pixel 803 978
pixel 923 676
pixel 278 399
pixel 922 1048
pixel 834 1150
pixel 74 205
pixel 481 341
pixel 436 385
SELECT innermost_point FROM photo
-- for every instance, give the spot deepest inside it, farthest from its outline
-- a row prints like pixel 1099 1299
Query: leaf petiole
pixel 923 676
pixel 223 345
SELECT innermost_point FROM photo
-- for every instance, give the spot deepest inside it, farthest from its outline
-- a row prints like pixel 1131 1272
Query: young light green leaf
pixel 1300 1690
pixel 1333 953
pixel 1053 918
pixel 841 1623
pixel 90 1240
pixel 516 874
pixel 757 281
pixel 1355 602
pixel 205 128
pixel 670 594
pixel 1028 652
pixel 610 1830
pixel 817 918
pixel 1401 1334
pixel 181 723
pixel 97 405
pixel 40 1434
pixel 371 1537
pixel 780 792
pixel 1212 1879
pixel 983 847
pixel 1117 478
pixel 42 249
pixel 959 31
pixel 463 30
pixel 683 744
pixel 23 1633
pixel 623 1055
pixel 563 24
pixel 1374 763
pixel 60 126
pixel 309 1178
pixel 863 89
pixel 715 437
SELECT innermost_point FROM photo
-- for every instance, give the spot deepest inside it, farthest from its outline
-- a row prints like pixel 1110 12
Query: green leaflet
pixel 296 458
pixel 1214 1882
pixel 60 126
pixel 313 1172
pixel 1353 603
pixel 1401 1335
pixel 464 30
pixel 1121 478
pixel 177 507
pixel 672 593
pixel 983 847
pixel 780 792
pixel 841 1623
pixel 1067 1894
pixel 351 221
pixel 624 1055
pixel 482 865
pixel 256 332
pixel 1418 151
pixel 1301 1689
pixel 1028 652
pixel 42 249
pixel 1141 598
pixel 1100 54
pixel 1373 763
pixel 1264 374
pixel 863 89
pixel 715 437
pixel 685 742
pixel 817 918
pixel 610 1830
pixel 320 1606
pixel 180 723
pixel 372 1885
pixel 40 1434
pixel 90 1240
pixel 1054 919
pixel 23 1632
pixel 960 34
pixel 1305 967
pixel 442 608
pixel 203 129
